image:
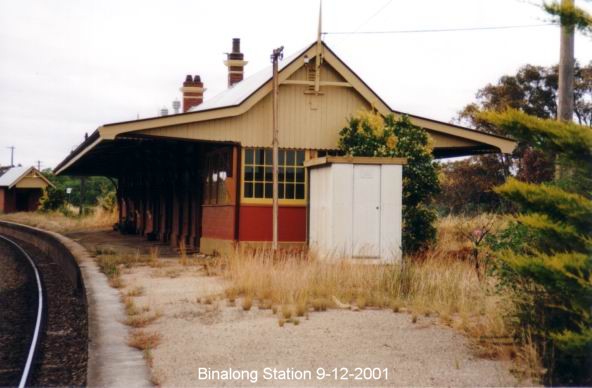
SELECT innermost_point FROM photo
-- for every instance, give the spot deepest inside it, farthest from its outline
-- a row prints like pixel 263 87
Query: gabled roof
pixel 244 95
pixel 239 92
pixel 9 177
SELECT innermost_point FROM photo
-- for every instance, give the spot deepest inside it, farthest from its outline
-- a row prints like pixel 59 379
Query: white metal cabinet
pixel 355 207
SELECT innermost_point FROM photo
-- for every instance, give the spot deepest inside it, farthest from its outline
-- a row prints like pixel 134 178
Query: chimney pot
pixel 235 63
pixel 192 92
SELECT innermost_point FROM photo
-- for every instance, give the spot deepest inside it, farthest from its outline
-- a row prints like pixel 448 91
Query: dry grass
pixel 183 258
pixel 436 285
pixel 142 320
pixel 247 303
pixel 111 265
pixel 153 255
pixel 136 291
pixel 57 222
pixel 442 283
pixel 145 341
pixel 141 339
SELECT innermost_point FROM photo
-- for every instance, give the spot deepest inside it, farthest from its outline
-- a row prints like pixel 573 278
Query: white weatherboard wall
pixel 356 210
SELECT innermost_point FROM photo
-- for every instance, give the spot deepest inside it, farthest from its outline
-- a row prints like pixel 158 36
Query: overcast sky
pixel 69 66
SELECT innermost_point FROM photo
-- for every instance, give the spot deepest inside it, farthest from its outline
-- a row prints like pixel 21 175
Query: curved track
pixel 40 343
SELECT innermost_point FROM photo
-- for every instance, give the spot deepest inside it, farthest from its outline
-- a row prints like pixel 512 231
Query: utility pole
pixel 275 57
pixel 565 103
pixel 11 155
pixel 39 165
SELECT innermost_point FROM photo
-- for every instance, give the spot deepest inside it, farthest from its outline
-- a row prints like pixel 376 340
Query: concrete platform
pixel 108 238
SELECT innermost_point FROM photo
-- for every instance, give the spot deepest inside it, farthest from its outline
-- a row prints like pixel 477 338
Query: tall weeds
pixel 446 287
pixel 57 222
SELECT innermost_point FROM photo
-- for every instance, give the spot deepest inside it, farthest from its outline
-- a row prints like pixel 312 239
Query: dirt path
pixel 219 337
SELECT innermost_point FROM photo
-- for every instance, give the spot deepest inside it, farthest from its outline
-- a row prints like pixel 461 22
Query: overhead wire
pixel 488 28
pixel 374 14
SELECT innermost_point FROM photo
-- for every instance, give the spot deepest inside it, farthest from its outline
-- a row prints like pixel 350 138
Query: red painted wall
pixel 218 221
pixel 255 223
pixel 7 200
pixel 2 194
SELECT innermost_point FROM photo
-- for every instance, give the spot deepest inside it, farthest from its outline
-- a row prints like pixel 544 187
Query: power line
pixel 439 30
pixel 374 14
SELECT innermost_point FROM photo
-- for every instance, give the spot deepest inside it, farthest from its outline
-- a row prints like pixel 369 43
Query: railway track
pixel 43 322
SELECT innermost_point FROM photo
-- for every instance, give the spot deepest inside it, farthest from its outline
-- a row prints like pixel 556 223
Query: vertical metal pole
pixel 82 193
pixel 565 103
pixel 11 156
pixel 275 56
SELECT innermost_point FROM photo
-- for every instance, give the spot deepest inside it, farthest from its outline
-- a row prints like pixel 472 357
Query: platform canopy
pixel 315 102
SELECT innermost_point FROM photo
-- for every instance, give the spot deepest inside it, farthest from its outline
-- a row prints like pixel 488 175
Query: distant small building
pixel 21 189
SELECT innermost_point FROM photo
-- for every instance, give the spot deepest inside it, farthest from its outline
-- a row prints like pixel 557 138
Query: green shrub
pixel 108 201
pixel 52 199
pixel 369 134
pixel 544 256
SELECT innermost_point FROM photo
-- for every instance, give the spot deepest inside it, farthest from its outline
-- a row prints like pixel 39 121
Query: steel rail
pixel 34 342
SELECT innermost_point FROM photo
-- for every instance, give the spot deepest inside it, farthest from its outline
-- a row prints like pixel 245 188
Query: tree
pixel 95 187
pixel 52 199
pixel 467 186
pixel 369 134
pixel 533 90
pixel 545 255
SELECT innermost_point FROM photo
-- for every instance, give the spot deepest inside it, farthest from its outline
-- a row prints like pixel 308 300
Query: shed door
pixel 366 224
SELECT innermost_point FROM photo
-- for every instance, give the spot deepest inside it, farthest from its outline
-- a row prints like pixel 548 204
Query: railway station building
pixel 203 177
pixel 21 189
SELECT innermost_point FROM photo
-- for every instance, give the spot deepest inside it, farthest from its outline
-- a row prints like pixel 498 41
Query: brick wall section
pixel 218 222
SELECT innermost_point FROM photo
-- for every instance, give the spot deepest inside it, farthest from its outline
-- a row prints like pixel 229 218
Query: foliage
pixel 572 143
pixel 467 186
pixel 568 15
pixel 95 187
pixel 108 201
pixel 545 254
pixel 369 134
pixel 532 90
pixel 52 199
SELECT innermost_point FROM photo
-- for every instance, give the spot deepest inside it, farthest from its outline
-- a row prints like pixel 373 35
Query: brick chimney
pixel 235 63
pixel 193 91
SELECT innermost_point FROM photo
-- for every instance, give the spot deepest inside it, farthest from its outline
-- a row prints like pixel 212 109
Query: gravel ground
pixel 18 309
pixel 219 337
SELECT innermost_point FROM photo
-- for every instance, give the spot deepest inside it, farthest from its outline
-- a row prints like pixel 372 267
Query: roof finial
pixel 320 31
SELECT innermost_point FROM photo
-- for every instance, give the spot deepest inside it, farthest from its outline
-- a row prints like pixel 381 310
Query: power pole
pixel 11 155
pixel 39 165
pixel 275 57
pixel 565 103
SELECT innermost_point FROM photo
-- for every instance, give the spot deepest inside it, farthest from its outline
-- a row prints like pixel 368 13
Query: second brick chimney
pixel 193 91
pixel 235 63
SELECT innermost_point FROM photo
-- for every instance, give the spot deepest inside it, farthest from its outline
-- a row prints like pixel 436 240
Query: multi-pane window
pixel 258 177
pixel 218 167
pixel 322 153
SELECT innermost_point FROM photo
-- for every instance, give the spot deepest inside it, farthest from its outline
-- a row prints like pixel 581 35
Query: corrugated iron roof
pixel 239 92
pixel 13 175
